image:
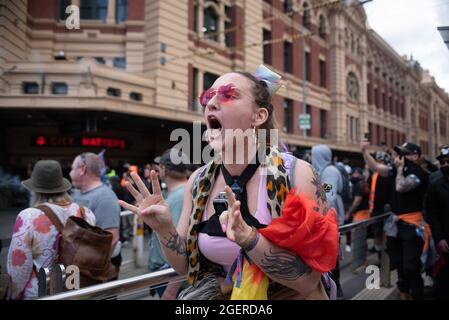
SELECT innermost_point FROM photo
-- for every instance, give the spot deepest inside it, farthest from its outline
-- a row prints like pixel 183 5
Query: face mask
pixel 356 180
pixel 445 171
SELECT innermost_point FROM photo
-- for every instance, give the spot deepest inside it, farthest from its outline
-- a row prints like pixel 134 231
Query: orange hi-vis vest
pixel 373 191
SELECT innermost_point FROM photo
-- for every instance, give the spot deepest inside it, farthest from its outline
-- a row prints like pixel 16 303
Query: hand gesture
pixel 364 144
pixel 232 222
pixel 151 207
pixel 399 162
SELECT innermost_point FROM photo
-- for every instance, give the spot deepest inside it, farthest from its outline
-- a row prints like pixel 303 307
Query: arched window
pixel 322 27
pixel 210 24
pixel 306 15
pixel 352 86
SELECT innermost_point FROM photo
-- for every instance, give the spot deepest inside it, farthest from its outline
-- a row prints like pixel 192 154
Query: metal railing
pixel 138 239
pixel 364 223
pixel 385 280
pixel 113 289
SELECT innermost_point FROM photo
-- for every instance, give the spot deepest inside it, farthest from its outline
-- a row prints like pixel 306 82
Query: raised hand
pixel 151 207
pixel 364 144
pixel 232 222
pixel 399 161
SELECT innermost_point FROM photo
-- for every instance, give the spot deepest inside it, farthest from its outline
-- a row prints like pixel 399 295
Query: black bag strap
pixel 212 226
pixel 52 216
pixel 238 183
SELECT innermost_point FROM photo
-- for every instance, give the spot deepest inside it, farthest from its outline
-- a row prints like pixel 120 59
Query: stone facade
pixel 163 54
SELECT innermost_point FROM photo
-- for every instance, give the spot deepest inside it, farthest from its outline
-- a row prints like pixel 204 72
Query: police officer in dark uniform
pixel 437 215
pixel 406 246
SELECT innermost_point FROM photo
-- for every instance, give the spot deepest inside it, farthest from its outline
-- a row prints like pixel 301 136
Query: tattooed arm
pixel 282 265
pixel 277 263
pixel 381 168
pixel 174 240
pixel 404 184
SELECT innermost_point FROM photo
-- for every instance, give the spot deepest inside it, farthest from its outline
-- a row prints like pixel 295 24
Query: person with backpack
pixel 331 179
pixel 346 191
pixel 332 182
pixel 34 243
pixel 245 228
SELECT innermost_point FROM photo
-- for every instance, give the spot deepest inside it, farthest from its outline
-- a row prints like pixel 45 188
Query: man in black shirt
pixel 406 247
pixel 437 215
pixel 359 209
pixel 382 199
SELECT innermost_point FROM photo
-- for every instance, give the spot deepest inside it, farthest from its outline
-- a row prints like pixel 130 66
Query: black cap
pixel 174 159
pixel 444 152
pixel 408 148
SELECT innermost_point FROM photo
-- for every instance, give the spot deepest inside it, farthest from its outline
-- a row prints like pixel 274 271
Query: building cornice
pixel 386 48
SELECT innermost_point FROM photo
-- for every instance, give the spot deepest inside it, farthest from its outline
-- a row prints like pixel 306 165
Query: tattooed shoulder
pixel 320 192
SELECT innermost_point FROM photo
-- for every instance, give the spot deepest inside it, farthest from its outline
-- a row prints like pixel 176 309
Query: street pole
pixel 304 87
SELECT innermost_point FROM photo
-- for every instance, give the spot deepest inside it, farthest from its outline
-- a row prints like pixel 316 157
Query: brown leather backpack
pixel 85 246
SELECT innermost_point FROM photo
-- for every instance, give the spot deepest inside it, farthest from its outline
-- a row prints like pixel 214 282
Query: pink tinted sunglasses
pixel 224 94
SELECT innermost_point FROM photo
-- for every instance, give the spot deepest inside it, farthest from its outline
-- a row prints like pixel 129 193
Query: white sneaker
pixel 348 248
pixel 428 281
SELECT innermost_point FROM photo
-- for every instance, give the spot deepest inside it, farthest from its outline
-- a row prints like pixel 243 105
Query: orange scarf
pixel 416 218
pixel 361 215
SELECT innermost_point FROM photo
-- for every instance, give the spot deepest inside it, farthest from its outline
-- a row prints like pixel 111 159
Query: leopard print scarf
pixel 278 185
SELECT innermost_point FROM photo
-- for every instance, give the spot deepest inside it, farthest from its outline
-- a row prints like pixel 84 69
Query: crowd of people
pixel 266 228
pixel 414 190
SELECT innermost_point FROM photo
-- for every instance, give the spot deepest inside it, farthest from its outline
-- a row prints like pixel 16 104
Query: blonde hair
pixel 62 198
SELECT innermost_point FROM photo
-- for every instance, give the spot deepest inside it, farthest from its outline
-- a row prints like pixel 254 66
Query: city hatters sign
pixel 63 141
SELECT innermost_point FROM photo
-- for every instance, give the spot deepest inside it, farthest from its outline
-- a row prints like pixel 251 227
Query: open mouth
pixel 214 126
pixel 214 123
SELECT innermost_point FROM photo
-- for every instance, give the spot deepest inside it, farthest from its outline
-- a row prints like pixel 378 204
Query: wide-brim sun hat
pixel 47 178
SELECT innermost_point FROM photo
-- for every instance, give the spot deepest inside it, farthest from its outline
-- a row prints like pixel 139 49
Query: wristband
pixel 252 240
